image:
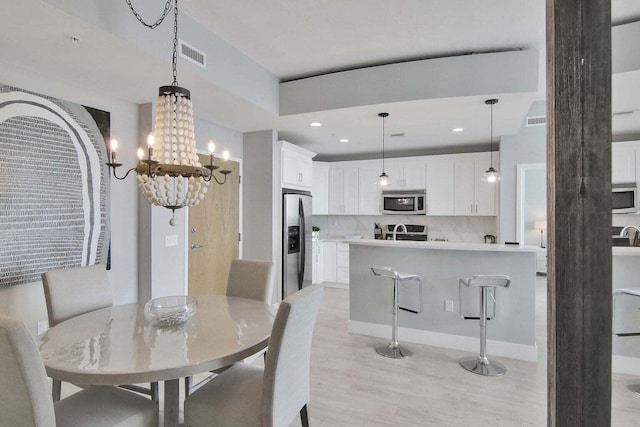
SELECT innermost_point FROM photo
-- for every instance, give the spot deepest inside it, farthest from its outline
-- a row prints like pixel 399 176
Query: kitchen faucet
pixel 624 230
pixel 395 230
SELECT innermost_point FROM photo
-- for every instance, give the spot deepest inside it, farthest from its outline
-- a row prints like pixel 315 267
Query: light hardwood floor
pixel 351 385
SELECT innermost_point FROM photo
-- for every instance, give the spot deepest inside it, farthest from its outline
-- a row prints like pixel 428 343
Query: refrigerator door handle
pixel 303 244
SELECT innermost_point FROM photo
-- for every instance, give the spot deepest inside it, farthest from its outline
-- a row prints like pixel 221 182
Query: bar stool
pixel 393 349
pixel 623 331
pixel 481 365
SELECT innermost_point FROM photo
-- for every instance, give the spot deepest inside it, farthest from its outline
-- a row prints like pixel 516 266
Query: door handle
pixel 195 246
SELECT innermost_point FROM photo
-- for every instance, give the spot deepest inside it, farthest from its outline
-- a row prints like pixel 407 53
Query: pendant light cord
pixel 490 132
pixel 383 144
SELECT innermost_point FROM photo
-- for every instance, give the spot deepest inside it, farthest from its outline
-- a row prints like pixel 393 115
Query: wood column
pixel 579 212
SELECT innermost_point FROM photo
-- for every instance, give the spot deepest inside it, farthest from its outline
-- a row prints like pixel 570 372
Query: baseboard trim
pixel 455 342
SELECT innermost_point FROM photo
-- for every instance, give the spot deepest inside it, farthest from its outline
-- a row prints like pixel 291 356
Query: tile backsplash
pixel 462 229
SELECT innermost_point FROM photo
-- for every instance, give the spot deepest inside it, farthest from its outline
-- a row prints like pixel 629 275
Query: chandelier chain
pixel 174 59
pixel 165 12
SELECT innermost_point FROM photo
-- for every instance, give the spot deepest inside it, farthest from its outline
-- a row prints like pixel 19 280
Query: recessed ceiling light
pixel 315 124
pixel 344 140
pixel 457 129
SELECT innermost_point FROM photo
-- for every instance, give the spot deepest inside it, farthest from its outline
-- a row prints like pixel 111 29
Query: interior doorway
pixel 531 215
pixel 213 234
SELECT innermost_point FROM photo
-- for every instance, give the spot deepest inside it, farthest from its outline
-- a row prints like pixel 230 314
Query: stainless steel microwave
pixel 624 198
pixel 403 202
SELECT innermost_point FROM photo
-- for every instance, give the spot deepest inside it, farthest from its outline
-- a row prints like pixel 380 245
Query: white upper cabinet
pixel 440 186
pixel 472 196
pixel 320 189
pixel 343 190
pixel 409 175
pixel 297 167
pixel 370 191
pixel 623 162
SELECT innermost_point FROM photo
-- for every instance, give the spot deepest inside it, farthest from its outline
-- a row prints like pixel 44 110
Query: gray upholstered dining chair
pixel 247 278
pixel 70 292
pixel 24 401
pixel 248 395
pixel 253 279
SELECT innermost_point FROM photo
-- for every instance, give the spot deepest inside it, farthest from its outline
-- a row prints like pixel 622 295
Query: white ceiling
pixel 294 39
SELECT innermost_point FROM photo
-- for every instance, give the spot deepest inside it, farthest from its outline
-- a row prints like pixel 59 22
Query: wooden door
pixel 213 234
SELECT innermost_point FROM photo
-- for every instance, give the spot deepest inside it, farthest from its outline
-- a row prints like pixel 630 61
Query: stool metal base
pixel 394 351
pixel 483 366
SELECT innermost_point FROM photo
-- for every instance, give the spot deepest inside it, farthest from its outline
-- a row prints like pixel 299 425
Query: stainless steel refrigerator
pixel 296 239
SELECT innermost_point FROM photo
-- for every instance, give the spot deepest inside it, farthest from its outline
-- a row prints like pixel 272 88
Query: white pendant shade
pixel 491 176
pixel 384 180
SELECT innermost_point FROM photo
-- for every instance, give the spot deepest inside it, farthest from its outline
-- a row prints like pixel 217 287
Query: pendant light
pixel 171 175
pixel 384 178
pixel 491 175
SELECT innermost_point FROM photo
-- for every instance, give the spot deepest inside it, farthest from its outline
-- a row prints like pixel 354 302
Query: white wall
pixel 527 146
pixel 26 302
pixel 262 200
pixel 162 269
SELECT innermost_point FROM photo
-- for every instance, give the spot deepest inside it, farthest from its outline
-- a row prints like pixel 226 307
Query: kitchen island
pixel 626 275
pixel 440 265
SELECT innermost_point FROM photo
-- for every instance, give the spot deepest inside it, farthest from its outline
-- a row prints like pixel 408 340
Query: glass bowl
pixel 170 311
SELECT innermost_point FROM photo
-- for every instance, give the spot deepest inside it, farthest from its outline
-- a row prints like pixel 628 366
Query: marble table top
pixel 117 345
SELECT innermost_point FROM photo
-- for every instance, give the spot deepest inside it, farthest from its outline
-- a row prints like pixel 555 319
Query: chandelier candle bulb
pixel 114 148
pixel 140 153
pixel 225 155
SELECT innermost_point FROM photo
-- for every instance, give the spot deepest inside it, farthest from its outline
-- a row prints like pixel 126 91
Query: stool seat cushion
pixel 487 280
pixel 392 273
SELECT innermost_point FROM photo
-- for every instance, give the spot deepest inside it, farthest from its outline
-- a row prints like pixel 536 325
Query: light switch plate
pixel 448 305
pixel 171 240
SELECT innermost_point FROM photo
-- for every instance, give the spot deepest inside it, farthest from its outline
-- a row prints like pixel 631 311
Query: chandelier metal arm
pixel 114 166
pixel 224 173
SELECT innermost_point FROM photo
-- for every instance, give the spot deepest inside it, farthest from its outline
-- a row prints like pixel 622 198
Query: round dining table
pixel 118 345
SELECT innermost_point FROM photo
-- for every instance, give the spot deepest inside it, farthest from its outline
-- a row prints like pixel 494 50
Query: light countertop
pixel 449 246
pixel 625 250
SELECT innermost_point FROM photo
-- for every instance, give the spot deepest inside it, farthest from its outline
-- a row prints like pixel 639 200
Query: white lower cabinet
pixel 329 251
pixel 335 260
pixel 342 263
pixel 317 272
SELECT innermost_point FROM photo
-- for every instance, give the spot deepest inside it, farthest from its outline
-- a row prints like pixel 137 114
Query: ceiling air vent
pixel 536 121
pixel 192 54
